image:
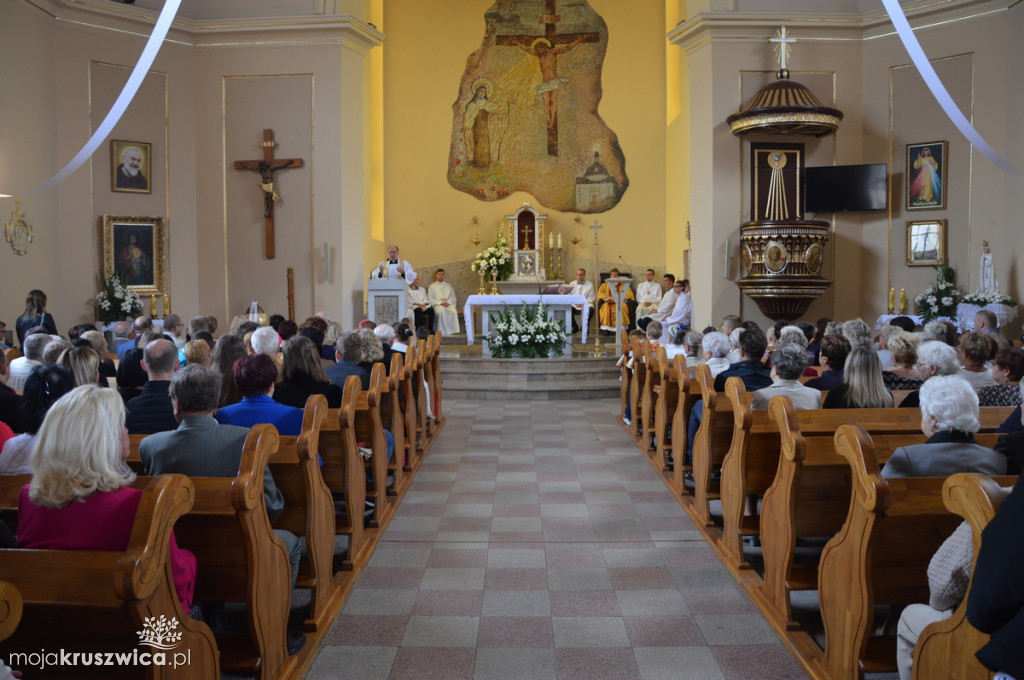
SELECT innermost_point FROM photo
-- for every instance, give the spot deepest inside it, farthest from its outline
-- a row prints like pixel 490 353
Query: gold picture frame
pixel 136 248
pixel 127 158
pixel 926 243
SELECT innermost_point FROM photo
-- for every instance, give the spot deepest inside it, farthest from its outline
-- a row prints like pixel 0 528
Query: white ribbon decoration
pixel 939 91
pixel 156 39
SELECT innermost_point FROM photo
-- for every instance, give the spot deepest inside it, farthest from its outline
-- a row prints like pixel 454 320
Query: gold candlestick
pixel 483 283
pixel 558 274
pixel 494 282
pixel 167 305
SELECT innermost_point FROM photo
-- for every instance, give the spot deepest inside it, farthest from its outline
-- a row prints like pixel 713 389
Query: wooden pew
pixel 343 470
pixel 711 444
pixel 97 601
pixel 649 395
pixel 391 417
pixel 370 430
pixel 879 557
pixel 636 386
pixel 242 560
pixel 625 378
pixel 435 382
pixel 811 489
pixel 669 392
pixel 410 408
pixel 946 648
pixel 689 394
pixel 10 609
pixel 423 426
pixel 308 508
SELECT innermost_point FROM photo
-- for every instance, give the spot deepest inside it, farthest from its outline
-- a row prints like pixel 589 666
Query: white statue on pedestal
pixel 986 272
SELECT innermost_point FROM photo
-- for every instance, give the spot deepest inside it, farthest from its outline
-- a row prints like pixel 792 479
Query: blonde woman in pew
pixel 79 497
pixel 949 418
pixel 862 383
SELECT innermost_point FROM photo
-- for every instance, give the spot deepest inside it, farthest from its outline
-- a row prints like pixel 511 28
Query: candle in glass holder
pixel 559 241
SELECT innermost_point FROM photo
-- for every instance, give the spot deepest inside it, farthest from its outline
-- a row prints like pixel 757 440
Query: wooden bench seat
pixel 97 601
pixel 946 648
pixel 710 446
pixel 674 382
pixel 344 470
pixel 879 557
pixel 810 493
pixel 308 509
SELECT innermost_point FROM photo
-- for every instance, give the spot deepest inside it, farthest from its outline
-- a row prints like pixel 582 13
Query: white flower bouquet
pixel 983 299
pixel 497 257
pixel 526 333
pixel 116 301
pixel 939 299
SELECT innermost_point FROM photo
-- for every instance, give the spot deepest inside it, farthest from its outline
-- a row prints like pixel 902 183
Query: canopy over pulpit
pixel 526 236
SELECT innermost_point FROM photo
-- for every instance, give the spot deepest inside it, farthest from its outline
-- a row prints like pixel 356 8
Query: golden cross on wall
pixel 782 46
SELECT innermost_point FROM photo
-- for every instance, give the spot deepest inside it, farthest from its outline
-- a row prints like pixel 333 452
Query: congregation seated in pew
pixel 862 383
pixel 42 389
pixel 255 377
pixel 79 497
pixel 949 418
pixel 203 447
pixel 303 375
pixel 788 364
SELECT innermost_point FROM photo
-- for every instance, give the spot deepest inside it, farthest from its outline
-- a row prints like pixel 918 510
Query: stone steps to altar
pixel 469 377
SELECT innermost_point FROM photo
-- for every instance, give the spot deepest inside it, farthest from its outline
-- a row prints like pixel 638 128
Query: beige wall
pixel 201 107
pixel 432 222
pixel 886 106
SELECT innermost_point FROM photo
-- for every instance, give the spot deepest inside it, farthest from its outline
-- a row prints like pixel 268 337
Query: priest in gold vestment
pixel 606 303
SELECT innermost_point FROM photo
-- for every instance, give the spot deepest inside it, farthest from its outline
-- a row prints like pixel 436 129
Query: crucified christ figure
pixel 266 171
pixel 547 55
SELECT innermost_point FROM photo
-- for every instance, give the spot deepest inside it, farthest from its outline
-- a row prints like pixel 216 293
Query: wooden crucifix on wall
pixel 546 49
pixel 266 167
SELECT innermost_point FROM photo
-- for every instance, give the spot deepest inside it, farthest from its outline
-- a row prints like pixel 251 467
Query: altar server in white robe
pixel 442 299
pixel 648 295
pixel 665 307
pixel 419 305
pixel 394 268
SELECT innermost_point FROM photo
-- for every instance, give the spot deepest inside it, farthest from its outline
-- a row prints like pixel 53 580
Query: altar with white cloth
pixel 556 304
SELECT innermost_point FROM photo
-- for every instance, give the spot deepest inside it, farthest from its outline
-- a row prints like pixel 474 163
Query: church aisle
pixel 536 543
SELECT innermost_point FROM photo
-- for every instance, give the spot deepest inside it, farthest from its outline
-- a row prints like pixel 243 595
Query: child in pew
pixel 79 498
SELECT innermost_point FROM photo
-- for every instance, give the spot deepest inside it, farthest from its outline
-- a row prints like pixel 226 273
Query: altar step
pixel 485 379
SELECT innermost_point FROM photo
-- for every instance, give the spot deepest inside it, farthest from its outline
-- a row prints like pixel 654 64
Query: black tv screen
pixel 842 188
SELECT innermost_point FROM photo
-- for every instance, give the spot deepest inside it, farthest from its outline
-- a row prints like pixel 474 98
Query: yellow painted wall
pixel 424 59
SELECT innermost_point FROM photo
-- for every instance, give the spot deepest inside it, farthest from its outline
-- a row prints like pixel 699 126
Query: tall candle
pixel 551 241
pixel 892 300
pixel 167 305
pixel 559 241
pixel 903 300
pixel 152 306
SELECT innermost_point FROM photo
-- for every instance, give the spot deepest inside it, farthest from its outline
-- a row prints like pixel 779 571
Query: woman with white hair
pixel 934 358
pixel 79 497
pixel 716 349
pixel 857 332
pixel 949 418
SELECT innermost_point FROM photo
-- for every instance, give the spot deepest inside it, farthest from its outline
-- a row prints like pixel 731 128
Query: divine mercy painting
pixel 526 117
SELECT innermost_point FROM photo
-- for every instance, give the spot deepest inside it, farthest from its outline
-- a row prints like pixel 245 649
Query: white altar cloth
pixel 495 303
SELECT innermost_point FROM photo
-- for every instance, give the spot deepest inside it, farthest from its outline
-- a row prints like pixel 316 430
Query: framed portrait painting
pixel 135 248
pixel 926 243
pixel 130 166
pixel 926 175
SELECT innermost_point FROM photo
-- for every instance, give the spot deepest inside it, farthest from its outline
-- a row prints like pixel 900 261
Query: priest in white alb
pixel 442 299
pixel 419 306
pixel 648 295
pixel 394 268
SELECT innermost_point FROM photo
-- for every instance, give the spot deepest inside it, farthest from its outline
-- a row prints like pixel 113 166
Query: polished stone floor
pixel 536 543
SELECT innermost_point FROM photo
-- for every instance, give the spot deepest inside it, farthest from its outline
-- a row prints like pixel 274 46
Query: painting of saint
pixel 926 172
pixel 134 260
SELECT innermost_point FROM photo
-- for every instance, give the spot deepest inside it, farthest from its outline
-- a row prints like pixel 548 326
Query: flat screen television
pixel 843 188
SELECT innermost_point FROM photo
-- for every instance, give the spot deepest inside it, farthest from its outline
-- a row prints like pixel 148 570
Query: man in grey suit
pixel 949 417
pixel 202 447
pixel 788 364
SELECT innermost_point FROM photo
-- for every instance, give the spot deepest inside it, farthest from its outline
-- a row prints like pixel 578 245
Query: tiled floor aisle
pixel 534 544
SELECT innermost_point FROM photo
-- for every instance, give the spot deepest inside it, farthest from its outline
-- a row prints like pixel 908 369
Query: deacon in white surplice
pixel 648 295
pixel 419 305
pixel 442 299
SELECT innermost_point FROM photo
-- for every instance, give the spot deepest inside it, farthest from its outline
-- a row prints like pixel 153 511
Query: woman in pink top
pixel 79 498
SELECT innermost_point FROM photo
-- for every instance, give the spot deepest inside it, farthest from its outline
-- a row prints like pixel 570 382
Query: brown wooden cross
pixel 266 167
pixel 547 55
